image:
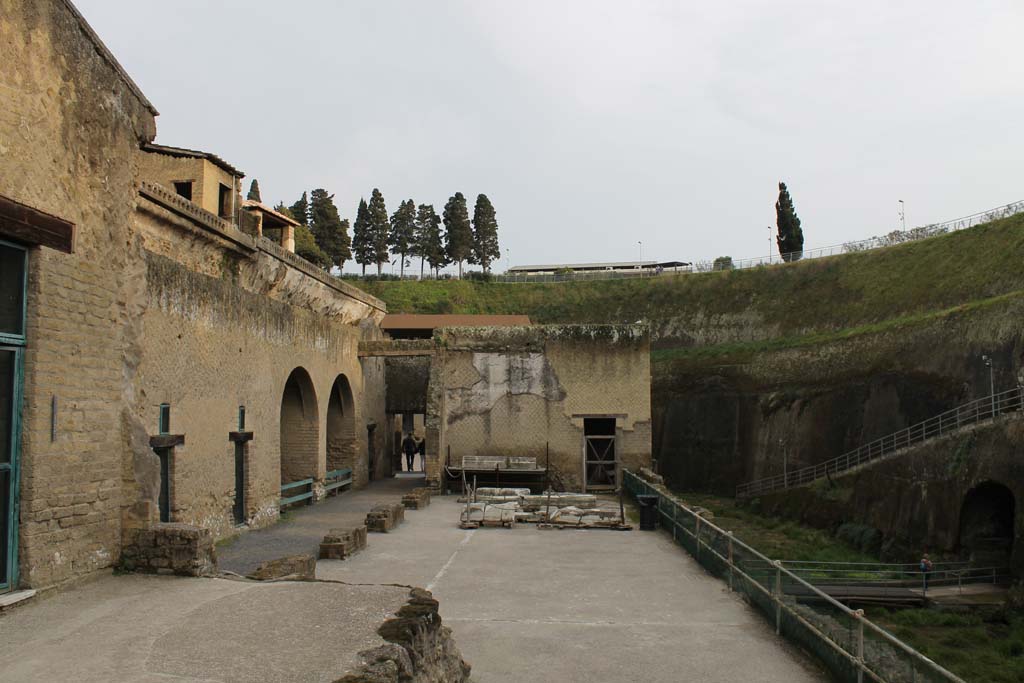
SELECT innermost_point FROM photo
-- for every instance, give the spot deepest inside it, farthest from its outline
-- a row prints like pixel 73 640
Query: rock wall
pixel 420 648
pixel 721 421
pixel 917 500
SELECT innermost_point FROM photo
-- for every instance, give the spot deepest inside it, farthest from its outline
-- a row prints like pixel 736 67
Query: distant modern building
pixel 422 326
pixel 612 266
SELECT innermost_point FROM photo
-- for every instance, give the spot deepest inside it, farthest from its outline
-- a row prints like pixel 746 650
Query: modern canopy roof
pixel 600 266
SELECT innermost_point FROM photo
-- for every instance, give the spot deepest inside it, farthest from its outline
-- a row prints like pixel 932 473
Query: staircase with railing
pixel 1009 401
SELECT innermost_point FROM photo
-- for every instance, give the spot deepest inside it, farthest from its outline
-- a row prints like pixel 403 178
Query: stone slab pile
pixel 384 517
pixel 339 544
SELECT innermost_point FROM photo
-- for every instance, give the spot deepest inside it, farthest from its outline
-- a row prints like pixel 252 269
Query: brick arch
pixel 341 426
pixel 300 428
pixel 987 522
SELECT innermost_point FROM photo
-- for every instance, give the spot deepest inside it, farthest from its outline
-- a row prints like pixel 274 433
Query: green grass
pixel 777 538
pixel 982 645
pixel 985 644
pixel 848 292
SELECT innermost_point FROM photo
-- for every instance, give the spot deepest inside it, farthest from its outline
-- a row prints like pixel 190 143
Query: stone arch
pixel 300 428
pixel 986 523
pixel 341 426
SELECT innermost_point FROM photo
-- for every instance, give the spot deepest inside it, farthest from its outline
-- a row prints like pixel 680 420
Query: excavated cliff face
pixel 721 421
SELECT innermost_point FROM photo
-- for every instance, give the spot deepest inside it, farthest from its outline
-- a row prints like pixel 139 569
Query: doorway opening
pixel 986 524
pixel 300 436
pixel 600 465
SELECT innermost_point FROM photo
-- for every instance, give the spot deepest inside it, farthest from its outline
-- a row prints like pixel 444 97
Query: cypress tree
pixel 361 243
pixel 485 233
pixel 254 191
pixel 330 232
pixel 379 229
pixel 458 232
pixel 403 231
pixel 428 243
pixel 790 239
pixel 300 210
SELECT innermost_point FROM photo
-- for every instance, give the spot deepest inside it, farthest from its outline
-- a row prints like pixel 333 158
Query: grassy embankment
pixel 799 304
pixel 985 644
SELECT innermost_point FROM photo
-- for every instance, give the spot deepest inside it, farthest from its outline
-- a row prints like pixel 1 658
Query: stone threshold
pixel 8 600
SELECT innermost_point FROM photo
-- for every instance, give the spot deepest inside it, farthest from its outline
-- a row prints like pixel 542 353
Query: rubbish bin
pixel 648 512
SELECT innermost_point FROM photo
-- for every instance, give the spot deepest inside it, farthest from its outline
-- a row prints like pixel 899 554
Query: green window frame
pixel 12 342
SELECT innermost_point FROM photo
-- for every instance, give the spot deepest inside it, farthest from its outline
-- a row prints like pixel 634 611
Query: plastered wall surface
pixel 527 392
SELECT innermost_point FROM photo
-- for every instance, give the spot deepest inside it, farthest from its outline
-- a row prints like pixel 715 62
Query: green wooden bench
pixel 306 495
pixel 337 478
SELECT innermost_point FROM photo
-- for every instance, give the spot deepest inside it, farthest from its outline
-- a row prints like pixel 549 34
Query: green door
pixel 12 347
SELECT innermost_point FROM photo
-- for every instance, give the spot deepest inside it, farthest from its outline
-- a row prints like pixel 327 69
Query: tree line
pixel 326 239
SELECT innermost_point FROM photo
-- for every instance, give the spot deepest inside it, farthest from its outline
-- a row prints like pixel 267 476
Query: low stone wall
pixel 419 650
pixel 180 549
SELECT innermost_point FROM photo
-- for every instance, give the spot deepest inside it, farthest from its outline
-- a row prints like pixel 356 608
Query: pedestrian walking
pixel 409 448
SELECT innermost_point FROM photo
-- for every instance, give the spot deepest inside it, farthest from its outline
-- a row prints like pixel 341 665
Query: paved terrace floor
pixel 524 603
pixel 303 527
pixel 576 605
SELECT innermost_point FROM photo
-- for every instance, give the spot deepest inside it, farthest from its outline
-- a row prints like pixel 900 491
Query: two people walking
pixel 410 446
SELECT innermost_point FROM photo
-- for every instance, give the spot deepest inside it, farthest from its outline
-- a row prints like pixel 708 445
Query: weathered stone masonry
pixel 159 302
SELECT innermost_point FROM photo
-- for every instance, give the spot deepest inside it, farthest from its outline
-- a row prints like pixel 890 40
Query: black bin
pixel 648 512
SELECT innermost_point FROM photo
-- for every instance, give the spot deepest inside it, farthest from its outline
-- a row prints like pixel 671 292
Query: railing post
pixel 675 513
pixel 698 536
pixel 859 614
pixel 778 597
pixel 729 535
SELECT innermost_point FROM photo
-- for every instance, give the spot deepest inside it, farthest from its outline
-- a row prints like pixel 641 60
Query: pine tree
pixel 330 231
pixel 428 243
pixel 300 210
pixel 403 231
pixel 791 237
pixel 485 233
pixel 379 228
pixel 254 191
pixel 361 242
pixel 458 232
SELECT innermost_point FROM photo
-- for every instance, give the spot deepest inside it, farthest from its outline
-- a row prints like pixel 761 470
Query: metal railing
pixel 897 576
pixel 967 414
pixel 853 647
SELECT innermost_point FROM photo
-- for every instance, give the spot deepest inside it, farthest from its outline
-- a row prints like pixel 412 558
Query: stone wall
pixel 526 391
pixel 180 549
pixel 157 304
pixel 70 124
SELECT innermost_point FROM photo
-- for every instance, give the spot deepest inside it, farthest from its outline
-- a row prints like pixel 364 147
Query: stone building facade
pixel 575 395
pixel 144 323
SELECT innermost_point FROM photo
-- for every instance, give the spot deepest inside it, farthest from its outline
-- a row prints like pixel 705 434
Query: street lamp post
pixel 769 244
pixel 903 217
pixel 641 251
pixel 991 382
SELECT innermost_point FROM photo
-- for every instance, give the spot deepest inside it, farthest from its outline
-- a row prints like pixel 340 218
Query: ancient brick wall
pixel 526 391
pixel 69 125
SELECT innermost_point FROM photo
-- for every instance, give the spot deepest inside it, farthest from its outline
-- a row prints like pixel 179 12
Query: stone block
pixel 297 567
pixel 384 517
pixel 339 544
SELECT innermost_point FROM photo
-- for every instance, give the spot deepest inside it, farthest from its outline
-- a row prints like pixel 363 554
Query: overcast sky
pixel 593 125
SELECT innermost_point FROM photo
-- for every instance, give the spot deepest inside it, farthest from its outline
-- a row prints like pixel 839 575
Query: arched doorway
pixel 341 426
pixel 986 523
pixel 300 428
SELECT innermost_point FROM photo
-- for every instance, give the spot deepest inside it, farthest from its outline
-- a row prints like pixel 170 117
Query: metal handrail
pixel 635 485
pixel 973 412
